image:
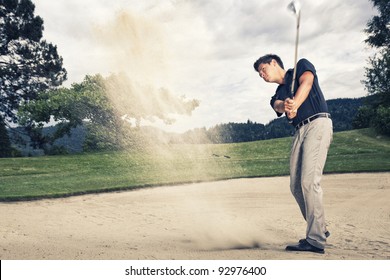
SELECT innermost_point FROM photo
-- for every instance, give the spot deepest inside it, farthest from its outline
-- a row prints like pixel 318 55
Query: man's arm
pixel 279 106
pixel 291 106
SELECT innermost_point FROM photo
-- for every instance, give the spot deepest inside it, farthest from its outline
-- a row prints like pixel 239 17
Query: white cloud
pixel 208 47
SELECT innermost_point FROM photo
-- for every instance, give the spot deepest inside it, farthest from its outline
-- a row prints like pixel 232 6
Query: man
pixel 307 111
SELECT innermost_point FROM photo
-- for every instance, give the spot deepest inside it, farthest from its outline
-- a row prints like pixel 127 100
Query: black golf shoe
pixel 304 246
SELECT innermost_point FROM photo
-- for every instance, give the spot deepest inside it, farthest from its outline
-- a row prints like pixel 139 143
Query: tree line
pixel 343 111
pixel 31 94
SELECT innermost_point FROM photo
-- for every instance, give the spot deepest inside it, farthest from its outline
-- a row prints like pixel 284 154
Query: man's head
pixel 270 68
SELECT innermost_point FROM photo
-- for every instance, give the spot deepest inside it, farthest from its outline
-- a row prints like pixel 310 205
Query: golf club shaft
pixel 296 55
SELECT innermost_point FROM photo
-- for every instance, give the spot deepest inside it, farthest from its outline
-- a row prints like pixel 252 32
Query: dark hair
pixel 267 59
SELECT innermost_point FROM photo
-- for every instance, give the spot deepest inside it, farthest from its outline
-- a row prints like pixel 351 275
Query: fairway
pixel 60 176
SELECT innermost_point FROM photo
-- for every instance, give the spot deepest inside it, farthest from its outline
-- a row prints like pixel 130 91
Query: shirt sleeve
pixel 304 65
pixel 273 99
pixel 281 92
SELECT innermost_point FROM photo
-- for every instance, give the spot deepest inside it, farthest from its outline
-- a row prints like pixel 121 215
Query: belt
pixel 312 118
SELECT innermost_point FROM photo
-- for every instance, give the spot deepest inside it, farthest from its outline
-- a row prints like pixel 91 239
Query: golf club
pixel 295 7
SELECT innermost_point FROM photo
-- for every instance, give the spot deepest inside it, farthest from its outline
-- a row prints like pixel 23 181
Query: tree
pixel 101 105
pixel 378 78
pixel 83 103
pixel 5 143
pixel 378 28
pixel 376 112
pixel 28 64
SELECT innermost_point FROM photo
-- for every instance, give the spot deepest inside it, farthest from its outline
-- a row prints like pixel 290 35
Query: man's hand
pixel 292 115
pixel 290 108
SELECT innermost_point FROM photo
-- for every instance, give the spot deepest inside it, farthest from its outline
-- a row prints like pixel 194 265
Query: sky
pixel 205 49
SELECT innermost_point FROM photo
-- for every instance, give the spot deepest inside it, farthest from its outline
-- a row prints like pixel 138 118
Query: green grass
pixel 58 176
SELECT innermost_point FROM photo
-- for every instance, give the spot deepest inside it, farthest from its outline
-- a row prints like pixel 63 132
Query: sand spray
pixel 136 48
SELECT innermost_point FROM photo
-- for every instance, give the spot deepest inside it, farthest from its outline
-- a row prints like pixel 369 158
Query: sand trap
pixel 234 219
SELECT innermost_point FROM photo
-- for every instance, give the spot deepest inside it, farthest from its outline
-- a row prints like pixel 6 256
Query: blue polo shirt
pixel 315 102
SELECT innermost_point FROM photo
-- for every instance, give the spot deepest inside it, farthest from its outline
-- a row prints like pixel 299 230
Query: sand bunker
pixel 234 219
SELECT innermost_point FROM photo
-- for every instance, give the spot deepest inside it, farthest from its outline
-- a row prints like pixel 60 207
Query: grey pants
pixel 308 156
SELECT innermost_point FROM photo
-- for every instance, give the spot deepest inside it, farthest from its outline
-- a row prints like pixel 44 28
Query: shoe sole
pixel 311 251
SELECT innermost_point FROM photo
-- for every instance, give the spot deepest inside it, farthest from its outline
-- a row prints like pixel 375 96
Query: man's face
pixel 268 71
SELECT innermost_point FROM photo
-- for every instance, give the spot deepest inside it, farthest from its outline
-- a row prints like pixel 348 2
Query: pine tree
pixel 377 112
pixel 28 64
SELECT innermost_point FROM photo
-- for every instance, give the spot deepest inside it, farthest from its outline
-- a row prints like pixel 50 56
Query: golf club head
pixel 295 7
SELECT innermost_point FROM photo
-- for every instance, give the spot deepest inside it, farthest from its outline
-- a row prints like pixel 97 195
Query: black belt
pixel 312 118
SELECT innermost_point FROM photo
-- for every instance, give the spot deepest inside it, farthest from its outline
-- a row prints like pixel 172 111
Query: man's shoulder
pixel 305 65
pixel 304 61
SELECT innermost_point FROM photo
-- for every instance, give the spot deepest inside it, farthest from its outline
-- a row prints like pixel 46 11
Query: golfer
pixel 307 111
